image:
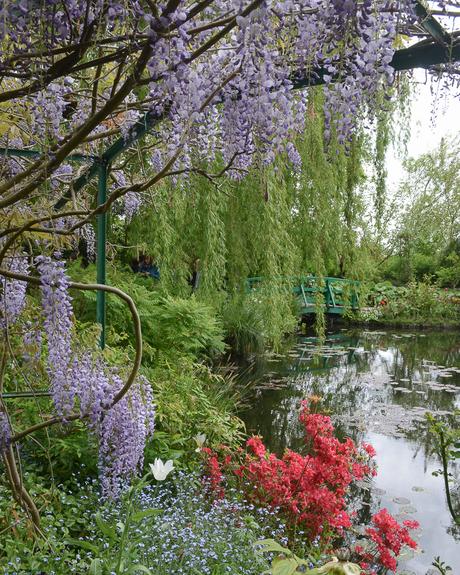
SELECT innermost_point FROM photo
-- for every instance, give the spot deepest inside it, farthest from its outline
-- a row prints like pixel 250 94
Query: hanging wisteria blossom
pixel 5 431
pixel 13 296
pixel 81 381
pixel 217 81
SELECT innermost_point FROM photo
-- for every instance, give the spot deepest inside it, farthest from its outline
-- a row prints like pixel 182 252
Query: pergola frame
pixel 443 49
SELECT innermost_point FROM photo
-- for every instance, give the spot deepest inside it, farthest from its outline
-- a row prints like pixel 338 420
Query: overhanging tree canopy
pixel 212 84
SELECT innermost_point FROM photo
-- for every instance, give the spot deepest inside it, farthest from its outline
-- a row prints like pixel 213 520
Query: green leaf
pixel 105 527
pixel 284 566
pixel 96 567
pixel 82 544
pixel 271 545
pixel 146 513
pixel 137 568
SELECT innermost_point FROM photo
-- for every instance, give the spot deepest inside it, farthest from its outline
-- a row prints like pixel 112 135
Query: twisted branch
pixel 138 347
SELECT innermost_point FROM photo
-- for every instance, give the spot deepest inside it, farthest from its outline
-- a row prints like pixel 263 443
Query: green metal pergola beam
pixel 431 25
pixel 139 129
pixel 17 153
pixel 420 55
pixel 26 394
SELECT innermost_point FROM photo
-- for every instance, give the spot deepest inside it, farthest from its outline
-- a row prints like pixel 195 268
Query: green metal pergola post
pixel 101 250
pixel 101 233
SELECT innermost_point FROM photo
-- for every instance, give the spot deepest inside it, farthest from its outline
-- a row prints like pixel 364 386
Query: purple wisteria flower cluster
pixel 81 381
pixel 58 325
pixel 234 102
pixel 48 108
pixel 255 111
pixel 18 16
pixel 13 296
pixel 5 431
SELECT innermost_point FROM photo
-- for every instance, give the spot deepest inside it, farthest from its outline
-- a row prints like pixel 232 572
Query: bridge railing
pixel 339 293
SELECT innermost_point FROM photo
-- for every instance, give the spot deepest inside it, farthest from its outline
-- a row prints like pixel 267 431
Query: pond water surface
pixel 378 387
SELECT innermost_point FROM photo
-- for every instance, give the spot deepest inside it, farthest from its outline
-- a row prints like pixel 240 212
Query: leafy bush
pixel 449 273
pixel 260 318
pixel 184 325
pixel 170 527
pixel 309 492
pixel 191 399
pixel 419 302
pixel 243 324
pixel 69 514
pixel 169 325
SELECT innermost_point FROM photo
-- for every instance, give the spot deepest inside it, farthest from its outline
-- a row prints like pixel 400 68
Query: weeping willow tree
pixel 279 221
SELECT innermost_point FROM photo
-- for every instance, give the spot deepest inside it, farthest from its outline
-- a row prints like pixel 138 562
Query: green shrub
pixel 243 324
pixel 261 318
pixel 169 324
pixel 191 399
pixel 419 302
pixel 161 528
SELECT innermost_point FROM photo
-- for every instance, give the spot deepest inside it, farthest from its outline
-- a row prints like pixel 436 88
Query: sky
pixel 433 117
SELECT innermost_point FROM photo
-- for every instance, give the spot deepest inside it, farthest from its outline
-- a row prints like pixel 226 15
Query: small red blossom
pixel 369 449
pixel 411 524
pixel 214 475
pixel 256 446
pixel 390 537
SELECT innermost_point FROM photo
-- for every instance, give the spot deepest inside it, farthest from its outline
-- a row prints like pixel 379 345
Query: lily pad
pixel 401 500
pixel 408 509
pixel 378 491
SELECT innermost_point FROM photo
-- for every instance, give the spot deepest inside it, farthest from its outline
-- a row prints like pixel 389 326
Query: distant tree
pixel 429 226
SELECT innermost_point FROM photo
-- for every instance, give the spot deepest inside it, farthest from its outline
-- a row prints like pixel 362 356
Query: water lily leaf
pixel 401 500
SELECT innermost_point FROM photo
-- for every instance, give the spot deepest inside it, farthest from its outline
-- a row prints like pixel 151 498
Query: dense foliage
pixel 425 240
pixel 245 168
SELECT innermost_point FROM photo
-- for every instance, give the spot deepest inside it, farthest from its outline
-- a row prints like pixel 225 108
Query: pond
pixel 378 387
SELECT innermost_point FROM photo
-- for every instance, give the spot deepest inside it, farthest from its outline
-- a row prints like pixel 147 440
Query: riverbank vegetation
pixel 230 141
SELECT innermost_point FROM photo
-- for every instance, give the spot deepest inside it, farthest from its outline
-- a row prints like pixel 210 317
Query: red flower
pixel 256 446
pixel 369 449
pixel 390 537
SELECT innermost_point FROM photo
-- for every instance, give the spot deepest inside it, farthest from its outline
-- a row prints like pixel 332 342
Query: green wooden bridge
pixel 339 294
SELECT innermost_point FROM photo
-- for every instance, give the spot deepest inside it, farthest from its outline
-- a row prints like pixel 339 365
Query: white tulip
pixel 161 470
pixel 200 438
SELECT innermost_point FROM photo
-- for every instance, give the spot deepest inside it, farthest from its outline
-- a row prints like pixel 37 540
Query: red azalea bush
pixel 389 538
pixel 309 490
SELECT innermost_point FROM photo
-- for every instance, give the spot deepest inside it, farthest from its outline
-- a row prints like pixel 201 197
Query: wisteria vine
pixel 80 380
pixel 218 76
pixel 83 385
pixel 13 296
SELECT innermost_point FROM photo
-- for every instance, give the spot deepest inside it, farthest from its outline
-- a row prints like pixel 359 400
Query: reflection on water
pixel 378 387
